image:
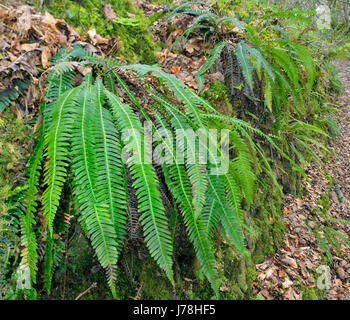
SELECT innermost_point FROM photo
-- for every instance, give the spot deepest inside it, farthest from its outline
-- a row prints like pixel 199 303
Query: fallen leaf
pixel 45 56
pixel 175 70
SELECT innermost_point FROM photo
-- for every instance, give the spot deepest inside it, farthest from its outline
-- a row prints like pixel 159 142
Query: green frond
pixel 180 9
pixel 230 219
pixel 111 177
pixel 178 184
pixel 196 171
pixel 235 21
pixel 245 64
pixel 212 182
pixel 153 218
pixel 56 145
pixel 28 238
pixel 261 62
pixel 242 166
pixel 191 100
pixel 303 55
pixel 96 202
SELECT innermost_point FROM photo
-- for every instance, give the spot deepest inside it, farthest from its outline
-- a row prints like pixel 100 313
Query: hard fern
pixel 153 219
pixel 85 132
pixel 93 206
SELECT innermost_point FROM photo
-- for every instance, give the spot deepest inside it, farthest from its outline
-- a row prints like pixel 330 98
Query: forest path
pixel 300 267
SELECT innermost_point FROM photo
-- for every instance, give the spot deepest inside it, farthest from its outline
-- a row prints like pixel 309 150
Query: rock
pixel 333 197
pixel 341 273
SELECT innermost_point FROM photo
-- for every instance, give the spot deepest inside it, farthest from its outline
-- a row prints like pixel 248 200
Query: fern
pixel 214 54
pixel 245 64
pixel 153 219
pixel 9 95
pixel 92 139
pixel 177 181
pixel 94 210
pixel 184 8
pixel 56 142
pixel 112 172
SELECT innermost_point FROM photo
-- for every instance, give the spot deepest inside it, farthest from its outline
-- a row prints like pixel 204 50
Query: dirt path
pixel 298 270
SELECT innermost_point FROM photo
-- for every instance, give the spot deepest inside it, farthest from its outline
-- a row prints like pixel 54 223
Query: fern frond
pixel 96 209
pixel 245 64
pixel 179 10
pixel 178 184
pixel 303 55
pixel 191 101
pixel 153 218
pixel 110 182
pixel 28 238
pixel 242 166
pixel 196 171
pixel 230 219
pixel 235 21
pixel 219 195
pixel 214 54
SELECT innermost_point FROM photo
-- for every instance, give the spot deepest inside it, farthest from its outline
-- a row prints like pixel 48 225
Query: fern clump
pixel 92 143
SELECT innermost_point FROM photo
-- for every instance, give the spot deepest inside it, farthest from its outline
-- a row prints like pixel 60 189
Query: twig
pixel 94 285
pixel 65 268
pixel 7 8
pixel 138 293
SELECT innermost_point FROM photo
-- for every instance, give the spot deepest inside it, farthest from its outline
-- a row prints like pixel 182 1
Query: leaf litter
pixel 284 275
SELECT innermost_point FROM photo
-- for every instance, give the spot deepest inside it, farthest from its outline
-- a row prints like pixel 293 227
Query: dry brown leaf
pixel 45 56
pixel 175 70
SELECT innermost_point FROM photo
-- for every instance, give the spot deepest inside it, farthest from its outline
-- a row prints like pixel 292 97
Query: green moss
pixel 13 140
pixel 309 293
pixel 136 42
pixel 218 96
pixel 266 219
pixel 324 201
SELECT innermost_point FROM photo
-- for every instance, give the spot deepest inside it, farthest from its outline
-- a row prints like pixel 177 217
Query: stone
pixel 323 17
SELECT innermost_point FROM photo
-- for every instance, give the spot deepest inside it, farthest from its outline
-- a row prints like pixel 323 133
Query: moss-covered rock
pixel 312 293
pixel 130 26
pixel 217 95
pixel 13 149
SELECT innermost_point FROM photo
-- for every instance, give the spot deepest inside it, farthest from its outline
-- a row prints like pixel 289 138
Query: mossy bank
pixel 130 26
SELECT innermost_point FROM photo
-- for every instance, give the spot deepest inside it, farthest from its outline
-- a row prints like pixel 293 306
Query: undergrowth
pixel 95 164
pixel 130 26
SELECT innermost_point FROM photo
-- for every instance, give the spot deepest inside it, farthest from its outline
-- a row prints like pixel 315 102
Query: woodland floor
pixel 287 273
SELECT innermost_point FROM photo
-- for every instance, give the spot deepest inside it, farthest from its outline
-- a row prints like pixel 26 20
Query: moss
pixel 14 138
pixel 136 42
pixel 266 220
pixel 310 293
pixel 13 148
pixel 324 202
pixel 218 96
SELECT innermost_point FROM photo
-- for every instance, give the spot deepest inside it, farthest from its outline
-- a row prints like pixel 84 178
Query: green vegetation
pixel 98 172
pixel 130 26
pixel 92 194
